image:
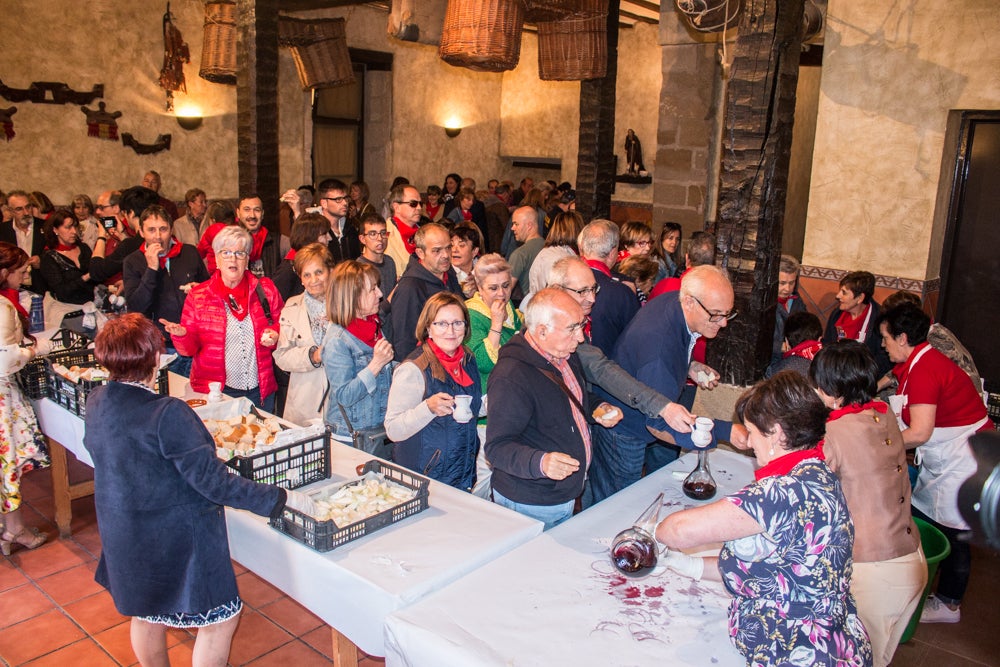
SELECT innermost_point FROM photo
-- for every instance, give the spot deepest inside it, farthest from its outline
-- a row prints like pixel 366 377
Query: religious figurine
pixel 633 153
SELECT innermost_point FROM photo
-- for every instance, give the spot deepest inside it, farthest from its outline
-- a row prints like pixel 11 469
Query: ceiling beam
pixel 305 5
pixel 637 17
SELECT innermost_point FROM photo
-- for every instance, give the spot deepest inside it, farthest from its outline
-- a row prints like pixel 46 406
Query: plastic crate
pixel 993 407
pixel 327 535
pixel 66 345
pixel 291 466
pixel 73 395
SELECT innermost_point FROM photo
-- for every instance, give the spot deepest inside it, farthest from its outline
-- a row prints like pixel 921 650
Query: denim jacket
pixel 363 395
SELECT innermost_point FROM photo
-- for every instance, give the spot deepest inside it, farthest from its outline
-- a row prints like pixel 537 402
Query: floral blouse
pixel 791 583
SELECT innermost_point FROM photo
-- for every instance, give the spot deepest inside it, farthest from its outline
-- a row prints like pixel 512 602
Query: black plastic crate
pixel 66 345
pixel 290 466
pixel 993 407
pixel 327 535
pixel 73 395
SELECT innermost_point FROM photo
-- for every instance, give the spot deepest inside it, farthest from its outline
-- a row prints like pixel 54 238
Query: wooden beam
pixel 305 5
pixel 638 17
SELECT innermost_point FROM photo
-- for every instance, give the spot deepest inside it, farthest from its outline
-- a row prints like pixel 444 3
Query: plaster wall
pixel 640 76
pixel 891 72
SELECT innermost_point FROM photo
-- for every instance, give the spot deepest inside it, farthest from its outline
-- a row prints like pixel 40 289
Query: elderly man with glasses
pixel 25 231
pixel 406 205
pixel 702 307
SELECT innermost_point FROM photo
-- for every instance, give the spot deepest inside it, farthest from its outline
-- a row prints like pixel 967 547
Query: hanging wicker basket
pixel 548 10
pixel 218 52
pixel 319 49
pixel 482 35
pixel 573 49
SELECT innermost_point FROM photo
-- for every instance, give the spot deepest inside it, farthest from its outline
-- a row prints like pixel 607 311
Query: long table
pixel 558 600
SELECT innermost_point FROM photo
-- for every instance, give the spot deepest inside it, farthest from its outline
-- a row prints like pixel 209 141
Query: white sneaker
pixel 936 611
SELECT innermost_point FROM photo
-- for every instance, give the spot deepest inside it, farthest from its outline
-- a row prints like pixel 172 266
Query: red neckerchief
pixel 807 349
pixel 11 295
pixel 291 254
pixel 258 243
pixel 783 300
pixel 237 299
pixel 452 363
pixel 783 464
pixel 586 329
pixel 62 247
pixel 407 233
pixel 432 210
pixel 366 329
pixel 127 228
pixel 851 326
pixel 902 371
pixel 466 215
pixel 600 266
pixel 855 408
pixel 623 254
pixel 175 249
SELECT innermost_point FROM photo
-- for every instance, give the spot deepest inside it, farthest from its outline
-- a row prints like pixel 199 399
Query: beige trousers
pixel 887 593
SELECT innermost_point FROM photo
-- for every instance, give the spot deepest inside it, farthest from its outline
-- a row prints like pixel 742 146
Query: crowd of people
pixel 506 346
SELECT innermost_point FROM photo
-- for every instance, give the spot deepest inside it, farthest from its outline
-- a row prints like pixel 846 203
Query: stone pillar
pixel 685 131
pixel 595 174
pixel 257 104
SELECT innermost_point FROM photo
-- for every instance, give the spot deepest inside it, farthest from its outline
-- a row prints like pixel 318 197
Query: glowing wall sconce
pixel 453 127
pixel 189 117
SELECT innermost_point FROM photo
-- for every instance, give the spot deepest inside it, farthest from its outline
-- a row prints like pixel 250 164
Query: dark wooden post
pixel 757 145
pixel 257 103
pixel 595 171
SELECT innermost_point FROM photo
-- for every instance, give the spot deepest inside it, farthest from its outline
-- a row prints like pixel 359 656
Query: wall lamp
pixel 452 132
pixel 189 117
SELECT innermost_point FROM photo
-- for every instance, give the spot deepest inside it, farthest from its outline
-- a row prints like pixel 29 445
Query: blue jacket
pixel 159 489
pixel 363 395
pixel 416 285
pixel 613 309
pixel 458 443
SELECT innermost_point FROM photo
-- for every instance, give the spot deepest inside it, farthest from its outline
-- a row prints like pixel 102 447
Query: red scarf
pixel 62 247
pixel 466 215
pixel 237 299
pixel 849 327
pixel 432 211
pixel 11 295
pixel 855 408
pixel 600 266
pixel 291 254
pixel 586 329
pixel 406 233
pixel 623 254
pixel 807 349
pixel 452 363
pixel 366 329
pixel 258 243
pixel 175 249
pixel 127 228
pixel 783 464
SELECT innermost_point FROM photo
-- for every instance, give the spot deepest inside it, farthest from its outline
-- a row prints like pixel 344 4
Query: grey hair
pixel 418 238
pixel 542 309
pixel 232 236
pixel 559 271
pixel 695 280
pixel 489 265
pixel 598 239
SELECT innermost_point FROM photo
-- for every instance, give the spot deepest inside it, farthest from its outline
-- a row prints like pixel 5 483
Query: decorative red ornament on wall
pixel 102 123
pixel 7 123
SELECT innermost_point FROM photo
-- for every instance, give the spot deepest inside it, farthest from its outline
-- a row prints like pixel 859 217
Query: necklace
pixel 136 383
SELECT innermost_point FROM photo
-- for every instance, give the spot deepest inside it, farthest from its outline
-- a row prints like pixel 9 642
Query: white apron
pixel 945 461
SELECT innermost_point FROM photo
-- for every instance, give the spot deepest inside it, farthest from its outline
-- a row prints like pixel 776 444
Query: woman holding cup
pixel 435 396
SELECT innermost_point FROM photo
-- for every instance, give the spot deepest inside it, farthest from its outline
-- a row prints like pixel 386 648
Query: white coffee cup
pixel 214 392
pixel 463 409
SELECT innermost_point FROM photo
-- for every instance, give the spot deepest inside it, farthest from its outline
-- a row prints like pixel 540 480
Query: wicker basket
pixel 537 11
pixel 319 48
pixel 218 53
pixel 482 35
pixel 573 49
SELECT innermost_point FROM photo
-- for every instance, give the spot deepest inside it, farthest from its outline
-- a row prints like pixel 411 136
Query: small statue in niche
pixel 101 123
pixel 633 154
pixel 7 123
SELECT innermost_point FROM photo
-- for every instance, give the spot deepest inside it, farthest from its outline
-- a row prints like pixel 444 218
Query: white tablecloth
pixel 355 586
pixel 558 600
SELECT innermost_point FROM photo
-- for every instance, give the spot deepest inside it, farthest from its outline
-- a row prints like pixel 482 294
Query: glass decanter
pixel 700 484
pixel 634 550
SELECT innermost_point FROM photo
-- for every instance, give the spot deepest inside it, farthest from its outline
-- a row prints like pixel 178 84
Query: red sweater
pixel 204 317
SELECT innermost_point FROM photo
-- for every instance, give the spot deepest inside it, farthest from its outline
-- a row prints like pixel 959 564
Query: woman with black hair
pixel 938 410
pixel 864 448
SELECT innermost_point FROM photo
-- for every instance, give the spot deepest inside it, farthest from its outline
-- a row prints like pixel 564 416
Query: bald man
pixel 702 307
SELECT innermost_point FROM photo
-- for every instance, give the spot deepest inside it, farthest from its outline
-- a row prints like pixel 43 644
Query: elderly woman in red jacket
pixel 229 324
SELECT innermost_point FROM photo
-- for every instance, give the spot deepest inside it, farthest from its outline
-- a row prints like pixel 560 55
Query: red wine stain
pixel 632 592
pixel 654 591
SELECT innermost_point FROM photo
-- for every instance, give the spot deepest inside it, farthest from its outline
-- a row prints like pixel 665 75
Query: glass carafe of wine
pixel 700 484
pixel 634 550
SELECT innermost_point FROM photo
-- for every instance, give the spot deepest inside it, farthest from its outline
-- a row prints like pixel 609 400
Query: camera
pixel 109 222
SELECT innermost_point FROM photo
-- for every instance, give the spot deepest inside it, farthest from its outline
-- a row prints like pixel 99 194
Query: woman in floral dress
pixel 22 447
pixel 788 538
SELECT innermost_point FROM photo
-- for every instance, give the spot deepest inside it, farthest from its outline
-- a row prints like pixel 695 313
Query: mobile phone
pixel 109 222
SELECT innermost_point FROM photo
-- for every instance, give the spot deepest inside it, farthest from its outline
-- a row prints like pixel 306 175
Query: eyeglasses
pixel 457 325
pixel 643 244
pixel 496 288
pixel 233 254
pixel 334 199
pixel 715 317
pixel 579 326
pixel 584 291
pixel 373 234
pixel 413 203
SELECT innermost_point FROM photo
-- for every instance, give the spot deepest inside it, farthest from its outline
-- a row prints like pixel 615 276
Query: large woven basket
pixel 482 35
pixel 537 11
pixel 218 51
pixel 573 49
pixel 319 49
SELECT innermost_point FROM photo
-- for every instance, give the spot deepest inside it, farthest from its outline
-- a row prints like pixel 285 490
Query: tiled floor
pixel 53 613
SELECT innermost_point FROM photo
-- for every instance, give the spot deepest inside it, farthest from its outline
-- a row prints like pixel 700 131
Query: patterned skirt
pixel 222 613
pixel 22 445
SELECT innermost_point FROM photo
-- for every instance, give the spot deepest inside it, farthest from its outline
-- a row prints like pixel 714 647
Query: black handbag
pixel 370 440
